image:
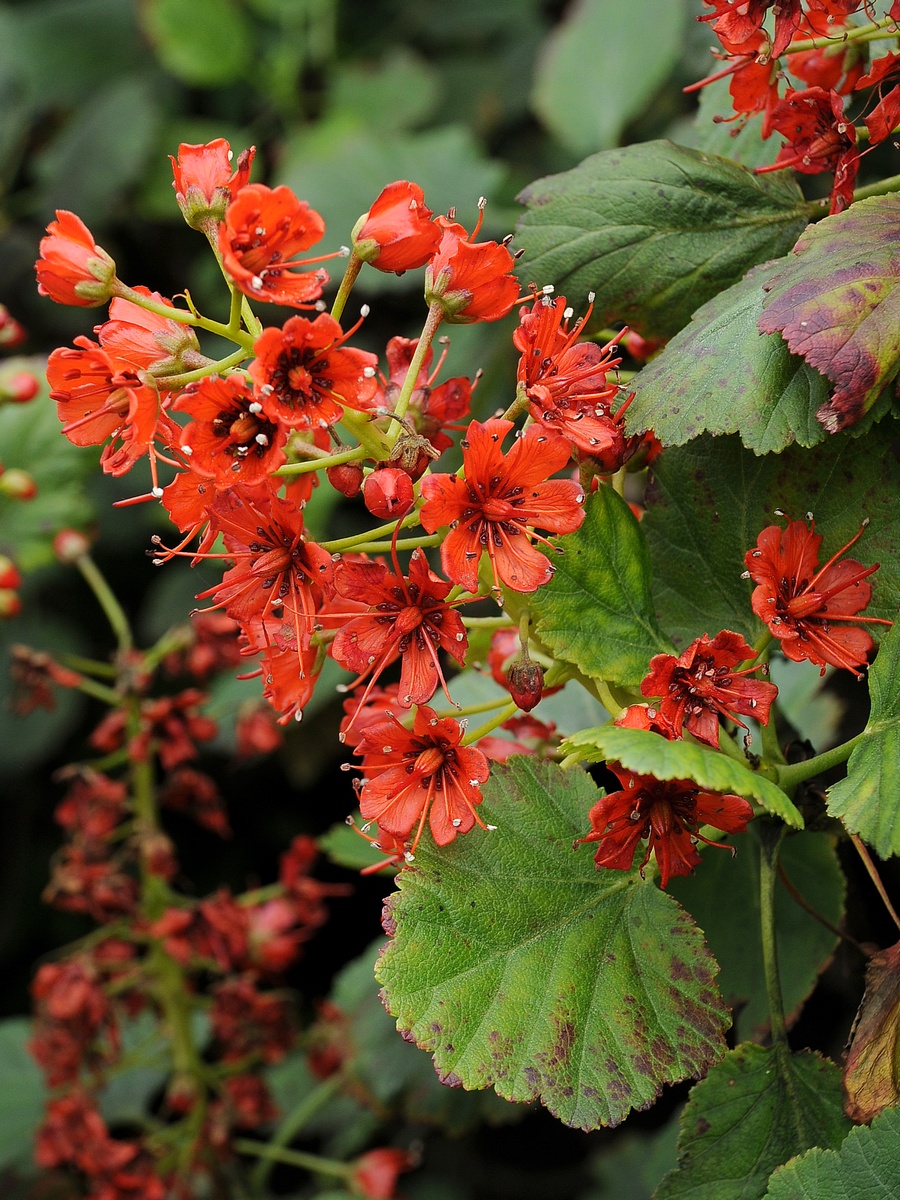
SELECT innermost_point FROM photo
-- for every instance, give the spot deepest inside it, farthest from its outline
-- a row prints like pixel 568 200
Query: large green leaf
pixel 868 799
pixel 22 1094
pixel 586 88
pixel 866 1167
pixel 518 965
pixel 753 1111
pixel 804 944
pixel 649 754
pixel 836 299
pixel 654 230
pixel 596 611
pixel 206 43
pixel 711 499
pixel 720 376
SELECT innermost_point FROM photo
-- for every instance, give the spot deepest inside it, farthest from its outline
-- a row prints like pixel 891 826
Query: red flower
pixel 72 268
pixel 232 437
pixel 249 1023
pixel 700 685
pixel 263 230
pixel 147 341
pixel 289 679
pixel 430 408
pixel 419 774
pixel 501 496
pixel 667 812
pixel 471 281
pixel 307 375
pixel 204 182
pixel 409 619
pixel 820 138
pixel 812 610
pixel 397 233
pixel 529 736
pixel 375 1173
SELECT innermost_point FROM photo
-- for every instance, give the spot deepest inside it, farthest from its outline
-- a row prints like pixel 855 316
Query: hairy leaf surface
pixel 866 1166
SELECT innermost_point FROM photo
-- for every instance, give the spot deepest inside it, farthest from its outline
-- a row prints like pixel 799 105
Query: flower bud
pixel 16 484
pixel 397 233
pixel 525 680
pixel 204 182
pixel 375 1174
pixel 12 333
pixel 72 268
pixel 70 544
pixel 388 493
pixel 10 604
pixel 18 386
pixel 9 573
pixel 346 478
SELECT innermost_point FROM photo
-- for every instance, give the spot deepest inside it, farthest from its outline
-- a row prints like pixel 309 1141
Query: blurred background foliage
pixel 470 98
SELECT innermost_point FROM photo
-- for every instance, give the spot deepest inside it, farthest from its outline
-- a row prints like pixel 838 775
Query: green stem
pixel 371 535
pixel 428 539
pixel 351 271
pixel 488 623
pixel 508 711
pixel 606 698
pixel 322 463
pixel 432 322
pixel 518 406
pixel 89 666
pixel 294 1158
pixel 90 687
pixel 771 834
pixel 886 28
pixel 174 383
pixel 790 774
pixel 289 1128
pixel 881 188
pixel 471 710
pixel 106 598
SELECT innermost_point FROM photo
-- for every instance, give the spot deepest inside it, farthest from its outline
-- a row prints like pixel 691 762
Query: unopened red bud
pixel 18 387
pixel 10 604
pixel 11 332
pixel 70 544
pixel 17 485
pixel 525 680
pixel 375 1174
pixel 9 573
pixel 346 478
pixel 388 493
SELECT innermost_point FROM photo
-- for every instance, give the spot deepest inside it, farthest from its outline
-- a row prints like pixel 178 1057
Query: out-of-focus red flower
pixel 471 281
pixel 812 610
pixel 215 929
pixel 33 672
pixel 667 814
pixel 264 229
pixel 419 774
pixel 196 795
pixel 205 183
pixel 72 268
pixel 232 436
pixel 502 496
pixel 12 332
pixel 250 1024
pixel 397 233
pixel 85 880
pixel 170 725
pixel 307 376
pixel 375 1173
pixel 93 806
pixel 256 731
pixel 529 736
pixel 702 684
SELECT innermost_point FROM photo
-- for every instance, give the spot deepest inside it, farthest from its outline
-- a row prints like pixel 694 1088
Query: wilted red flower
pixel 409 619
pixel 375 1173
pixel 525 680
pixel 170 725
pixel 397 233
pixel 264 228
pixel 232 436
pixel 93 806
pixel 196 795
pixel 205 183
pixel 700 685
pixel 250 1024
pixel 216 929
pixel 667 813
pixel 501 497
pixel 471 281
pixel 256 731
pixel 421 773
pixel 72 268
pixel 812 610
pixel 307 376
pixel 820 138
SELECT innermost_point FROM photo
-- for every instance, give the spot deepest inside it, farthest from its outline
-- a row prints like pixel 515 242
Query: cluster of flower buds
pixel 801 71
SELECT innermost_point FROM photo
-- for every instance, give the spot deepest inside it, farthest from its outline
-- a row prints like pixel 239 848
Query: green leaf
pixel 520 966
pixel 836 299
pixel 720 376
pixel 31 440
pixel 866 1166
pixel 586 88
pixel 654 230
pixel 868 799
pixel 710 500
pixel 397 93
pixel 649 754
pixel 346 848
pixel 22 1094
pixel 206 43
pixel 596 612
pixel 753 1111
pixel 742 142
pixel 804 945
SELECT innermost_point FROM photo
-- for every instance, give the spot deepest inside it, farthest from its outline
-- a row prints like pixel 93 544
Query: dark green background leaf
pixel 748 1116
pixel 22 1094
pixel 519 965
pixel 805 946
pixel 868 800
pixel 866 1166
pixel 654 230
pixel 596 611
pixel 206 43
pixel 649 754
pixel 711 498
